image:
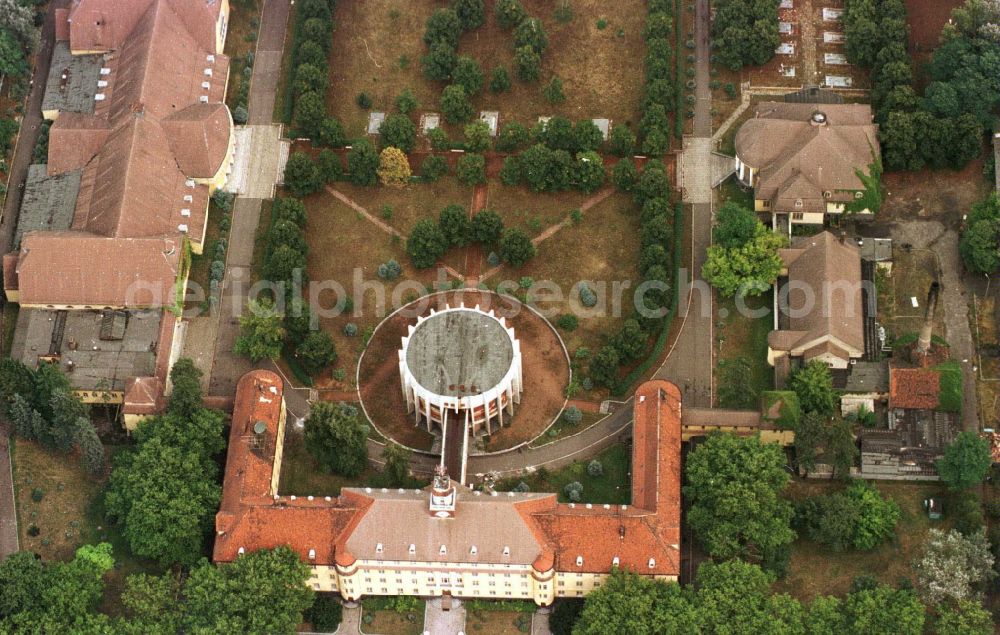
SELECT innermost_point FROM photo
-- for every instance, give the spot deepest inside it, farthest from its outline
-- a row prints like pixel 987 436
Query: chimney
pixel 927 330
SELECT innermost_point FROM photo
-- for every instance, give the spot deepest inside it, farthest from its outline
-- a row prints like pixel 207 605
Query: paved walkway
pixel 689 364
pixel 441 622
pixel 262 172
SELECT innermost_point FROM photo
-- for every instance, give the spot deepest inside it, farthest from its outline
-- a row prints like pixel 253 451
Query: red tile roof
pixel 143 396
pixel 914 388
pixel 103 25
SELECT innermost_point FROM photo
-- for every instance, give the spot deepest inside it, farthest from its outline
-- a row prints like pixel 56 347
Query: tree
pixel 329 166
pixel 625 175
pixel 964 618
pixel 471 13
pixel 527 64
pixel 468 75
pixel 336 436
pixel 19 19
pixel 745 32
pixel 736 592
pixel 439 62
pixel 261 332
pixel 653 183
pixel 531 33
pixel 486 227
pixel 426 244
pixel 966 461
pixel 455 104
pixel 809 439
pixel 732 388
pixel 748 270
pixel 586 136
pixel 499 80
pixel 813 383
pixel 290 209
pixel 553 91
pixel 283 261
pixel 471 169
pixel 397 464
pixel 734 226
pixel 310 113
pixel 153 604
pixel 734 486
pixel 407 102
pixel 316 352
pixel 629 341
pixel 980 246
pixel 12 60
pixel 841 449
pixel 858 517
pixel 477 136
pixel 566 613
pixel 604 366
pixel 393 167
pixel 622 141
pixel 516 248
pixel 455 225
pixel 398 131
pixel 23 583
pixel 629 603
pixel 362 163
pixel 16 379
pixel 260 592
pixel 309 78
pixel 590 173
pixel 301 175
pixel 444 25
pixel 434 167
pixel 165 492
pixel 510 13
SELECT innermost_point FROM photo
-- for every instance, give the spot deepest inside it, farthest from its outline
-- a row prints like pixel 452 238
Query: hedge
pixel 661 340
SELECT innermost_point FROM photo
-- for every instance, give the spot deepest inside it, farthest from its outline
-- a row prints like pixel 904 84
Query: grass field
pixel 380 56
pixel 342 245
pixel 409 204
pixel 561 429
pixel 70 514
pixel 202 263
pixel 739 336
pixel 496 622
pixel 817 570
pixel 393 623
pixel 602 249
pixel 533 213
pixel 612 487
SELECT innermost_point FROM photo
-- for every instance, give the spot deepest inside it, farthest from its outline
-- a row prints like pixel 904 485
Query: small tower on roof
pixel 443 493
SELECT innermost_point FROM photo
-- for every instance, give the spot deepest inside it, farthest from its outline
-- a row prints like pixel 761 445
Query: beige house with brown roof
pixel 801 158
pixel 150 146
pixel 820 309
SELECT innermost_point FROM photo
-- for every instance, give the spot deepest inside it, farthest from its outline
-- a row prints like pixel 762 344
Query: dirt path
pixel 474 251
pixel 807 38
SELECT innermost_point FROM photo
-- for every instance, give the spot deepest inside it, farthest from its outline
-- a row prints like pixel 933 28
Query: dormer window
pixel 473 551
pixel 615 561
pixel 443 550
pixel 412 549
pixel 506 551
pixel 378 548
pixel 652 563
pixel 798 203
pixel 579 561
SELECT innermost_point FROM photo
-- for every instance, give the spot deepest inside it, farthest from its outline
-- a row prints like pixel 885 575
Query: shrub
pixel 434 167
pixel 439 62
pixel 316 352
pixel 499 80
pixel 513 136
pixel 406 102
pixel 363 101
pixel 439 139
pixel 595 468
pixel 572 416
pixel 511 170
pixel 622 141
pixel 389 270
pixel 522 487
pixel 363 163
pixel 240 114
pixel 510 13
pixel 574 491
pixel 604 366
pixel 37 494
pixel 329 166
pixel 553 91
pixel 493 259
pixel 587 296
pixel 331 134
pixel 527 64
pixel 350 329
pixel 471 169
pixel 567 322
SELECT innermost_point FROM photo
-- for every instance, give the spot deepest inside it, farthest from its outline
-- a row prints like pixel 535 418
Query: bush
pixel 325 613
pixel 434 167
pixel 574 491
pixel 363 163
pixel 398 131
pixel 511 171
pixel 468 75
pixel 527 64
pixel 316 352
pixel 350 329
pixel 572 416
pixel 37 494
pixel 389 270
pixel 439 62
pixel 595 468
pixel 240 114
pixel 510 13
pixel 393 167
pixel 567 322
pixel 587 297
pixel 363 101
pixel 329 166
pixel 331 134
pixel 477 136
pixel 406 102
pixel 513 136
pixel 553 91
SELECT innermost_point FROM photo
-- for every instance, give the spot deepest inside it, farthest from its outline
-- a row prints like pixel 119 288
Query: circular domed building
pixel 461 363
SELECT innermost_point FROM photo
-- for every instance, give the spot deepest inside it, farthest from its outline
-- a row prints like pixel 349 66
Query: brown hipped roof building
pixel 451 539
pixel 823 316
pixel 802 158
pixel 151 146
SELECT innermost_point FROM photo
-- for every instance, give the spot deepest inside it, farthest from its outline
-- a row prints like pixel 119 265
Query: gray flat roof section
pixel 76 92
pixel 96 363
pixel 459 348
pixel 48 202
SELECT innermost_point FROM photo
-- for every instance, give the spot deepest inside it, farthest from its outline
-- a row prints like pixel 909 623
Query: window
pixel 579 583
pixel 798 202
pixel 798 215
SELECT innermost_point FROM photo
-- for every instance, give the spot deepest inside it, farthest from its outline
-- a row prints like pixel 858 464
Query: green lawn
pixel 740 337
pixel 951 397
pixel 612 487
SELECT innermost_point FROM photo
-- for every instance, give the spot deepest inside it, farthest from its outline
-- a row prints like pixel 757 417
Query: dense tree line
pixel 661 87
pixel 944 127
pixel 261 592
pixel 980 243
pixel 313 37
pixel 41 407
pixel 430 240
pixel 745 32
